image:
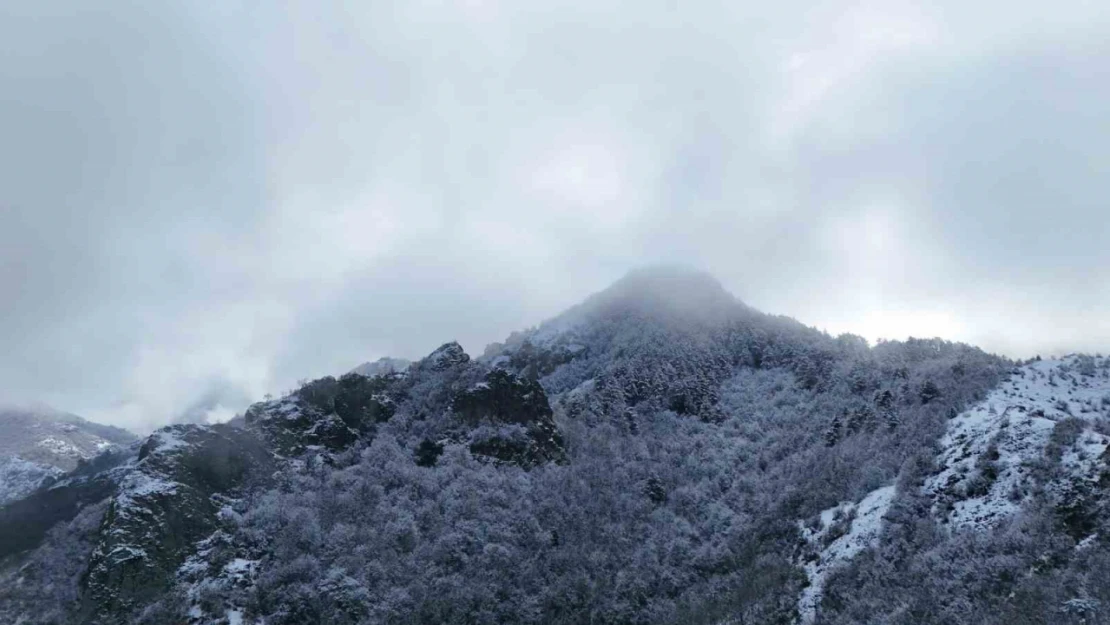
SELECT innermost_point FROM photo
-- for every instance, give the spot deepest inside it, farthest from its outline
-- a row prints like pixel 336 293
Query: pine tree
pixel 834 432
pixel 929 392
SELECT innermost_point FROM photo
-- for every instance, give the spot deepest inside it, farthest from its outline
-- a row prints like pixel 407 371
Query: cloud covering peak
pixel 208 202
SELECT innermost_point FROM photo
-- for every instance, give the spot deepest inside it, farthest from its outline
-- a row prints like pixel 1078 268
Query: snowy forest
pixel 659 454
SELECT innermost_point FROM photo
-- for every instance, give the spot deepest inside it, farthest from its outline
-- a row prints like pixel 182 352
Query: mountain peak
pixel 665 279
pixel 668 291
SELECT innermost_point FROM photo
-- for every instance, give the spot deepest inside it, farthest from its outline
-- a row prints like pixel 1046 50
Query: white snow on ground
pixel 60 447
pixel 139 485
pixel 19 477
pixel 200 572
pixel 240 567
pixel 855 528
pixel 1007 433
pixel 286 408
pixel 1010 429
pixel 167 440
pixel 1083 457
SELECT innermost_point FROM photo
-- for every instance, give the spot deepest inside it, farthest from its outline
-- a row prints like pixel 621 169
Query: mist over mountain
pixel 659 453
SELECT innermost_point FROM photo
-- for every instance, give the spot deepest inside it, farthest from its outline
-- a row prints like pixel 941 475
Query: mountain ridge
pixel 659 453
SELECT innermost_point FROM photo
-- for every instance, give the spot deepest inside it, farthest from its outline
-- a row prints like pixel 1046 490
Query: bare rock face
pixel 327 414
pixel 163 507
pixel 291 428
pixel 512 418
pixel 447 356
pixel 497 414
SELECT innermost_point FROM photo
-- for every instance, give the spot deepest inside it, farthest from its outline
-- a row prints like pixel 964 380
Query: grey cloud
pixel 204 204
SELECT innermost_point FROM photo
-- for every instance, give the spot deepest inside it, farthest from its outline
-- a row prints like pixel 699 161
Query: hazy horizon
pixel 202 204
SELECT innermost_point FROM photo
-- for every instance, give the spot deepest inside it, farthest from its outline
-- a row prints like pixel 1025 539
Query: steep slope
pixel 25 522
pixel 19 477
pixel 667 336
pixel 835 537
pixel 642 458
pixel 1029 460
pixel 166 503
pixel 40 444
pixel 1044 413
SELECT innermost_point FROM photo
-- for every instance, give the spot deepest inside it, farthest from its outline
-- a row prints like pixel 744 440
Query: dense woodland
pixel 646 458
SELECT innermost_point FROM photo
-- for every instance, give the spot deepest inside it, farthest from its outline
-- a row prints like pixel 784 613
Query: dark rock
pixel 534 362
pixel 294 424
pixel 447 356
pixel 163 507
pixel 503 399
pixel 362 402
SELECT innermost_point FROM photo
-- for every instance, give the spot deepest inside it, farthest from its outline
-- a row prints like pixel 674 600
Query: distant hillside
pixel 39 443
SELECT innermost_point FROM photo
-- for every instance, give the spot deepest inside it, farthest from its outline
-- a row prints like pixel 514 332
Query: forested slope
pixel 661 453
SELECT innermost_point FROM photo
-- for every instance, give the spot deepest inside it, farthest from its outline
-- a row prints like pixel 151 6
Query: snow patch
pixel 19 477
pixel 166 441
pixel 60 447
pixel 138 485
pixel 240 566
pixel 843 531
pixel 989 452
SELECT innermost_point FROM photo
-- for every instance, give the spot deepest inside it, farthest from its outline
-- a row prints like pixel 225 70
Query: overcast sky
pixel 204 203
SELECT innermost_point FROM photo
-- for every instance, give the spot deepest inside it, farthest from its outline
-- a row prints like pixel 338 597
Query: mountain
pixel 382 366
pixel 1036 445
pixel 660 453
pixel 37 444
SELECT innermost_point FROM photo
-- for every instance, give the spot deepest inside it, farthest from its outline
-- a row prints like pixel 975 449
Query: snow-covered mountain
pixel 1045 418
pixel 37 444
pixel 660 453
pixel 1040 435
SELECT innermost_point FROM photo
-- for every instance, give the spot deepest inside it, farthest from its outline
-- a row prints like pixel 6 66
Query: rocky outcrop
pixel 164 498
pixel 292 426
pixel 511 420
pixel 326 413
pixel 163 507
pixel 447 356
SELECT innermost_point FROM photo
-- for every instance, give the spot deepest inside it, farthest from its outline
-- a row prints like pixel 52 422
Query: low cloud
pixel 205 204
